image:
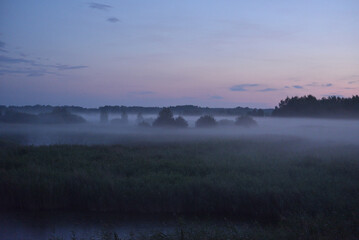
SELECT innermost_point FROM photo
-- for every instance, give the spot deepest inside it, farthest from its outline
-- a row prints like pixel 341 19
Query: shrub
pixel 206 121
pixel 164 119
pixel 181 122
pixel 245 121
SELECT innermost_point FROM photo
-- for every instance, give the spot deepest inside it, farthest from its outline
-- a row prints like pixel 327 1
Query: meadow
pixel 282 187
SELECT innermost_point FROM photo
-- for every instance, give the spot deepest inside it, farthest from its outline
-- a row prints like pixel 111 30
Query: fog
pixel 94 132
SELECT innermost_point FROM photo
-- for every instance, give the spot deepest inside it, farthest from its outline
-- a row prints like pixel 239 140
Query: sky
pixel 215 53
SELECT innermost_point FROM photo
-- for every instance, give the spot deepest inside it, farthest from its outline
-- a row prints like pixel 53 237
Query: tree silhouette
pixel 206 121
pixel 181 122
pixel 309 106
pixel 245 121
pixel 139 117
pixel 164 119
pixel 60 115
pixel 103 115
pixel 124 117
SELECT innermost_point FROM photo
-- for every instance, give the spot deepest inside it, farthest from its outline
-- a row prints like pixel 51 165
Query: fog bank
pixel 93 132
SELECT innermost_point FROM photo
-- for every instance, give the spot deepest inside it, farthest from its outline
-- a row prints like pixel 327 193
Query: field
pixel 280 187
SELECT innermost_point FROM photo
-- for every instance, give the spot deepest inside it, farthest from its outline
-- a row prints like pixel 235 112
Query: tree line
pixel 310 106
pixel 166 119
pixel 184 110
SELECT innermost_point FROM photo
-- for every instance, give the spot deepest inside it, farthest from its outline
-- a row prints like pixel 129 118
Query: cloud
pixel 113 19
pixel 216 97
pixel 5 59
pixel 353 79
pixel 67 67
pixel 298 87
pixel 315 84
pixel 35 74
pixel 268 90
pixel 99 6
pixel 27 72
pixel 32 68
pixel 242 87
pixel 352 82
pixel 35 64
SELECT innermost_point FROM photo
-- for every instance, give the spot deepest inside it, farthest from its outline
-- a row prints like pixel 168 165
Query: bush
pixel 245 121
pixel 206 121
pixel 181 122
pixel 165 119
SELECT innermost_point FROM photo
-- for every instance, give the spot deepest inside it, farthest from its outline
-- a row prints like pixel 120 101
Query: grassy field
pixel 282 186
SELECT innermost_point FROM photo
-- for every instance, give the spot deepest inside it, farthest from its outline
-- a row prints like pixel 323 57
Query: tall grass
pixel 253 179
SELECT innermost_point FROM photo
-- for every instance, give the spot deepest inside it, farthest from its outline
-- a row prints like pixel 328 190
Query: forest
pixel 310 106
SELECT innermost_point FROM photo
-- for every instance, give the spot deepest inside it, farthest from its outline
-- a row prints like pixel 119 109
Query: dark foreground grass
pixel 306 228
pixel 290 186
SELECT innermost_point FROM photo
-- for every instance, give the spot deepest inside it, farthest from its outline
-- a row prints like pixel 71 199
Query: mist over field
pixel 94 132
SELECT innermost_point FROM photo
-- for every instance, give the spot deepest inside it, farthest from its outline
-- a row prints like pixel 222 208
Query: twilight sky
pixel 217 53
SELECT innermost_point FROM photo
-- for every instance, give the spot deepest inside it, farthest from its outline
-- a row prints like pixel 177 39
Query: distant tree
pixel 60 111
pixel 139 117
pixel 245 121
pixel 60 115
pixel 260 113
pixel 123 120
pixel 206 121
pixel 103 115
pixel 124 117
pixel 181 122
pixel 11 116
pixel 256 113
pixel 164 119
pixel 2 109
pixel 253 112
